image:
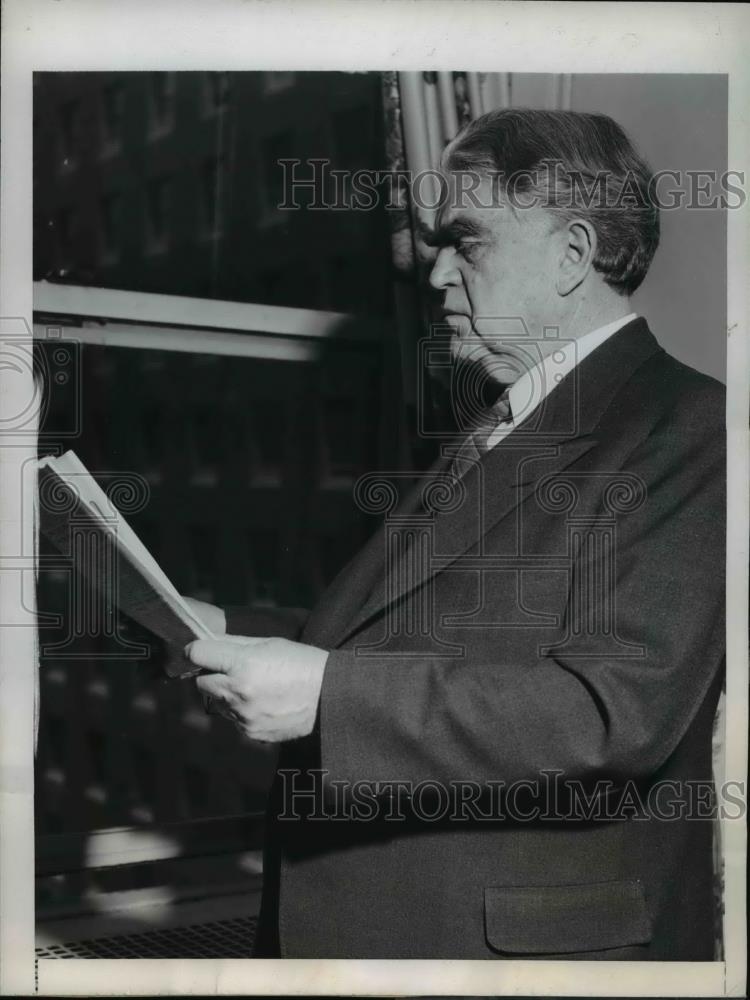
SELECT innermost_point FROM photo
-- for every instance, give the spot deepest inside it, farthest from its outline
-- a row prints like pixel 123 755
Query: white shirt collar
pixel 538 382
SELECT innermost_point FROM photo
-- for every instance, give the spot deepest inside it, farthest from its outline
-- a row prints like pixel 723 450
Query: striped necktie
pixel 475 445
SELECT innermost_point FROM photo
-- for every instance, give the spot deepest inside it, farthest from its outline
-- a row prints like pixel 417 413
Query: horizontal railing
pixel 109 317
pixel 68 852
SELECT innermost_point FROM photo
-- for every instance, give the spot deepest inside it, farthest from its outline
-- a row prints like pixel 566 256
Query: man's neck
pixel 529 390
pixel 592 315
pixel 583 320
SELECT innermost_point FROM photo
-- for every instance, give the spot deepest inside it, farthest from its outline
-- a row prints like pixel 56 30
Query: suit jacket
pixel 559 613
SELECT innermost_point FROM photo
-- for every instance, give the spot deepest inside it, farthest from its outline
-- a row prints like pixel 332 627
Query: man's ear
pixel 577 257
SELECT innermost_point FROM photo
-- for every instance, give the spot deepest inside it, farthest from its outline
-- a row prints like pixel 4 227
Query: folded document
pixel 71 498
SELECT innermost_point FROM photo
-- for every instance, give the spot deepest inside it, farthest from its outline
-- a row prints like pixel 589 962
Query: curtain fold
pixel 423 111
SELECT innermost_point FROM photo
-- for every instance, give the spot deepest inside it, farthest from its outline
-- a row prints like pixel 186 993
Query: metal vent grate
pixel 219 939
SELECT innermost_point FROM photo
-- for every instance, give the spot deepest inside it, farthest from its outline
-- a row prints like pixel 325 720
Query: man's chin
pixel 483 373
pixel 473 352
pixel 465 345
pixel 500 371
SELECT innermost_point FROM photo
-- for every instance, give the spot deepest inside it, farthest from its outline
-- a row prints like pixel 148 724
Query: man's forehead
pixel 471 189
pixel 470 200
pixel 467 196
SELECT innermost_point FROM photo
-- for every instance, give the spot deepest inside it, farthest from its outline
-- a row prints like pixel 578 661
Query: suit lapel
pixel 353 586
pixel 559 432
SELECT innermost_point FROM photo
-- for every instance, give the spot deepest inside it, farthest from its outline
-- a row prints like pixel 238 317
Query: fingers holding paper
pixel 213 618
pixel 269 688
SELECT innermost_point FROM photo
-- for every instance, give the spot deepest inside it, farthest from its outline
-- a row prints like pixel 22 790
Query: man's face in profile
pixel 495 267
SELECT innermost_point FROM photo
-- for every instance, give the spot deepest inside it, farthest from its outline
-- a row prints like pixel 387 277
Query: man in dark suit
pixel 495 722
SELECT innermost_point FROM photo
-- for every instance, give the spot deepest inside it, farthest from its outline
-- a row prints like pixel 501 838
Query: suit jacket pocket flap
pixel 566 918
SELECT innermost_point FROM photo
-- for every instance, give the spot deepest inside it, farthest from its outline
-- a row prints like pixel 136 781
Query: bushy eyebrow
pixel 447 234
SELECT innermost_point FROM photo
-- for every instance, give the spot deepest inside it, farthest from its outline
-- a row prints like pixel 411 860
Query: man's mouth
pixel 455 319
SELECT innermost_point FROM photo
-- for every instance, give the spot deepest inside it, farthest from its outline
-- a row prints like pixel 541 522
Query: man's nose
pixel 444 272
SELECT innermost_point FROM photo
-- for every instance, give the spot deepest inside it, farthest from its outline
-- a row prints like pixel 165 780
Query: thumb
pixel 220 655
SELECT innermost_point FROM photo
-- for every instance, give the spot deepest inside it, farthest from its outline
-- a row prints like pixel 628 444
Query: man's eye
pixel 467 248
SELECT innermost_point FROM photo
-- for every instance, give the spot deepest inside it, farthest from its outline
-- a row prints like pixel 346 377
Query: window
pixel 35 148
pixel 352 138
pixel 203 545
pixel 216 92
pixel 264 558
pixel 112 113
pixel 70 133
pixel 109 228
pixel 271 284
pixel 157 214
pixel 340 433
pixel 275 147
pixel 212 193
pixel 213 227
pixel 347 280
pixel 161 99
pixel 274 83
pixel 65 227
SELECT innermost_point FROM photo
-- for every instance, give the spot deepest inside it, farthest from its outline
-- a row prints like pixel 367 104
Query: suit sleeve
pixel 387 719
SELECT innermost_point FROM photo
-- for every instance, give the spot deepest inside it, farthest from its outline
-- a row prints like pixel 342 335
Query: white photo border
pixel 375 35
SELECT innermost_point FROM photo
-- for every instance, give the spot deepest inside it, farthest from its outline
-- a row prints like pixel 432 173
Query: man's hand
pixel 212 617
pixel 269 688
